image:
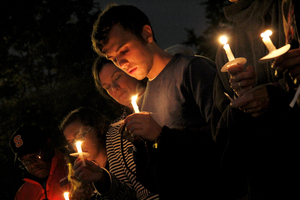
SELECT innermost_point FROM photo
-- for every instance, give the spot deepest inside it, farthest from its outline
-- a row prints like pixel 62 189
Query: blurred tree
pixel 208 43
pixel 45 71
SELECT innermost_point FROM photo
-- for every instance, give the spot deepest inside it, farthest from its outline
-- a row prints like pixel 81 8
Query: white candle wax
pixel 229 53
pixel 79 150
pixel 227 49
pixel 267 41
pixel 295 97
pixel 134 105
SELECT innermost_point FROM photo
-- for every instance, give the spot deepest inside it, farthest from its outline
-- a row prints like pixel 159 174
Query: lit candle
pixel 66 195
pixel 79 150
pixel 227 49
pixel 134 105
pixel 267 41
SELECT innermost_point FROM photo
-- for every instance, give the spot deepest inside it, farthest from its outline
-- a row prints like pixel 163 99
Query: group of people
pixel 190 140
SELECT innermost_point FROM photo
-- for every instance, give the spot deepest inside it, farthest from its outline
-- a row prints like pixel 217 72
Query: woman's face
pixel 76 131
pixel 119 85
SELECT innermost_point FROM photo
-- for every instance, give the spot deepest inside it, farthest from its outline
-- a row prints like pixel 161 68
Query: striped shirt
pixel 116 162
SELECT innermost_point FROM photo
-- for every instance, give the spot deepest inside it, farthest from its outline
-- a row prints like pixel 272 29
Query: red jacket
pixel 32 190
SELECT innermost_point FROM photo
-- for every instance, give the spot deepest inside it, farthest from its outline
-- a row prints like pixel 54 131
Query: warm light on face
pixel 78 146
pixel 267 33
pixel 223 39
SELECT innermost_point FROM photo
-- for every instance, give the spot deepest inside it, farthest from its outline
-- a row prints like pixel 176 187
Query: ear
pixel 147 33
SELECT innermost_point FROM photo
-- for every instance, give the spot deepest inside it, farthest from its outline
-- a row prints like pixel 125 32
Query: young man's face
pixel 128 52
pixel 36 164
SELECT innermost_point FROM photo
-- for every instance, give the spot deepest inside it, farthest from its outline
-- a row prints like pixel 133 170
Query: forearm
pixel 111 188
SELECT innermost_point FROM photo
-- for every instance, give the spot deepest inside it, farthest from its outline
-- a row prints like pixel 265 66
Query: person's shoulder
pixel 196 62
pixel 193 59
pixel 24 189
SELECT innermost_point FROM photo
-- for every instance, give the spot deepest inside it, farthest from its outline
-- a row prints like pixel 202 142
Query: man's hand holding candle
pixel 289 61
pixel 142 124
pixel 241 81
pixel 255 101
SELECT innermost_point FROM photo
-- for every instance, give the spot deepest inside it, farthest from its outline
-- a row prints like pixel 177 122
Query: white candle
pixel 267 41
pixel 227 49
pixel 66 195
pixel 134 105
pixel 79 150
pixel 295 97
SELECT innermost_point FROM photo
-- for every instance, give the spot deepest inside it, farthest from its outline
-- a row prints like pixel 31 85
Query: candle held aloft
pixel 267 41
pixel 134 105
pixel 79 150
pixel 66 195
pixel 227 49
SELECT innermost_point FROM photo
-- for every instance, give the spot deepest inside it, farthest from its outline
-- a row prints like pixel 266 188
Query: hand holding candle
pixel 79 150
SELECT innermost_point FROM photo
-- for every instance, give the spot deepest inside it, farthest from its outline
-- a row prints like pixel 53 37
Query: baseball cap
pixel 27 140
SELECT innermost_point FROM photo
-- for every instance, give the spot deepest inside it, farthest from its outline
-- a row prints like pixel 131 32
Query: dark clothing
pixel 50 188
pixel 260 154
pixel 181 95
pixel 180 98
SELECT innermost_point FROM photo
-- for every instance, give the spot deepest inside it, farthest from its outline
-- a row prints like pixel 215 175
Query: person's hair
pixel 129 17
pixel 88 117
pixel 97 67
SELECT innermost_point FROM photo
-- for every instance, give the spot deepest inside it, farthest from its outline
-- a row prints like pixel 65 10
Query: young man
pixel 45 166
pixel 177 101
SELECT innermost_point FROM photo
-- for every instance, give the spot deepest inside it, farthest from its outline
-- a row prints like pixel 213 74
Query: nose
pixel 115 86
pixel 122 63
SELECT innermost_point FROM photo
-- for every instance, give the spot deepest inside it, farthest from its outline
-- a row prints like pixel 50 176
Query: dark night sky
pixel 169 18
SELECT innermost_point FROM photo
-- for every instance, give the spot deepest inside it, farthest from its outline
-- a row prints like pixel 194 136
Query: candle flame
pixel 78 146
pixel 267 33
pixel 223 39
pixel 66 195
pixel 134 98
pixel 134 105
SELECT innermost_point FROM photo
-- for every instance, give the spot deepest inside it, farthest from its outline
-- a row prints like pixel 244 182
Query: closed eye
pixel 117 76
pixel 106 87
pixel 124 51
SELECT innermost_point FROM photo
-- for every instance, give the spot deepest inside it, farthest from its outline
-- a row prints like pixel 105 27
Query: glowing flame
pixel 267 33
pixel 134 105
pixel 66 195
pixel 78 146
pixel 223 39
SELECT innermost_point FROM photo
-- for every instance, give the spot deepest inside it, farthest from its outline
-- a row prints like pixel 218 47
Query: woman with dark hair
pixel 89 126
pixel 115 84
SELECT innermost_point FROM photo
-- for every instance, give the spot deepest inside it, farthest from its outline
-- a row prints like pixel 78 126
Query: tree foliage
pixel 207 43
pixel 45 71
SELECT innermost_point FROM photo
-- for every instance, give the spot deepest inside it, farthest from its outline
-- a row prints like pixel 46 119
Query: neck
pixel 101 159
pixel 160 60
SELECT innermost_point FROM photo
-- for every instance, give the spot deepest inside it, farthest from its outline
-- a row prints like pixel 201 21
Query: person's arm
pixel 105 183
pixel 112 188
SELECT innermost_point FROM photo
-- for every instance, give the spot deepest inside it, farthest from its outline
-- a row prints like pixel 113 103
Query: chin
pixel 42 174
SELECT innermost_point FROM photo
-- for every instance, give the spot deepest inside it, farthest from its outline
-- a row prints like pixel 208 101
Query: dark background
pixel 46 58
